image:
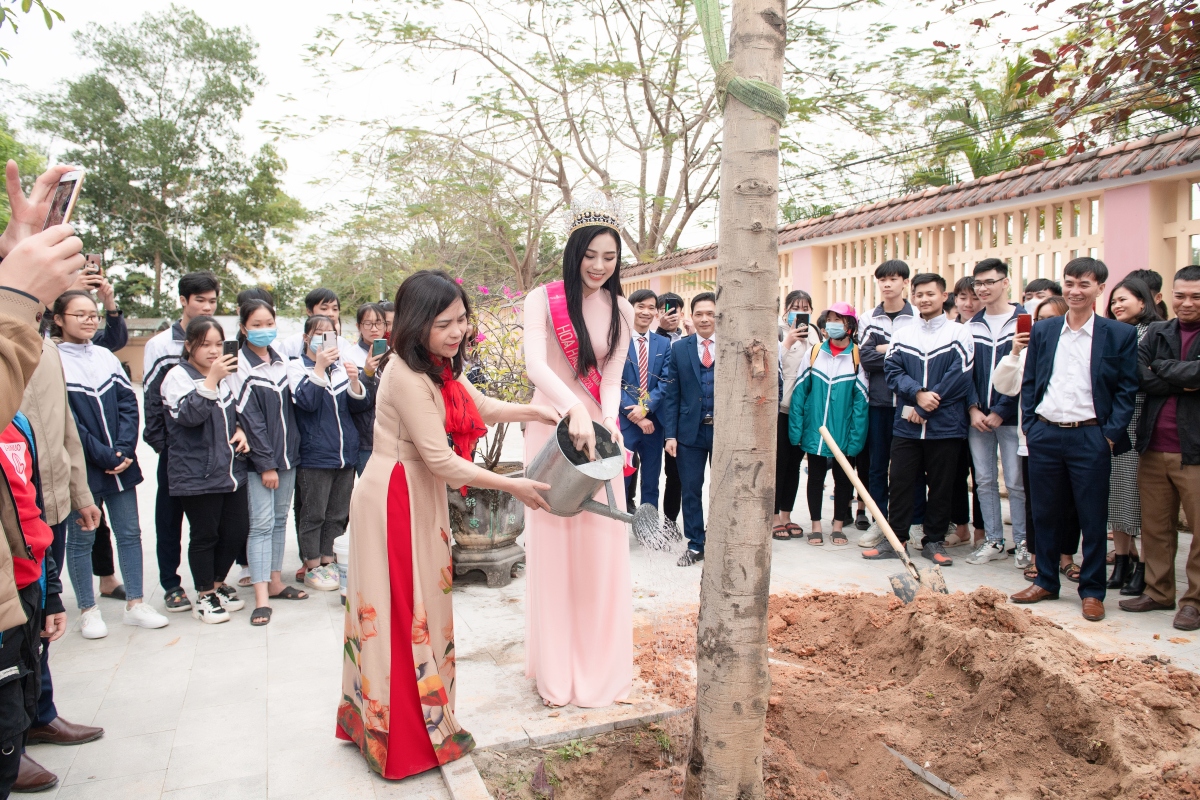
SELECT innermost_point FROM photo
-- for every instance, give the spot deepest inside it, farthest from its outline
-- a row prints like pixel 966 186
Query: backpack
pixel 812 357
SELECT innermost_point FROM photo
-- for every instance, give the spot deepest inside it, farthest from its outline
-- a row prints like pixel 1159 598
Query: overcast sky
pixel 42 59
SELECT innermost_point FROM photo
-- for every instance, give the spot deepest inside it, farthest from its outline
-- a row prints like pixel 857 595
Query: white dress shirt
pixel 712 348
pixel 1068 396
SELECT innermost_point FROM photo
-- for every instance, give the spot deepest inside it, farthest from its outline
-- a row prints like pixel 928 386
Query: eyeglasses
pixel 988 283
pixel 84 317
pixel 372 325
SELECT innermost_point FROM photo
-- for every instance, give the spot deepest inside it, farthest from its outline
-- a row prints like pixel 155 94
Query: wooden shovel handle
pixel 865 496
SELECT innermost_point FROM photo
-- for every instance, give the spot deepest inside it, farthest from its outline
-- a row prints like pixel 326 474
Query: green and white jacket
pixel 831 391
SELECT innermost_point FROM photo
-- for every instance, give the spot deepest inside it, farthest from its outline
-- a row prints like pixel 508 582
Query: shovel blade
pixel 905 586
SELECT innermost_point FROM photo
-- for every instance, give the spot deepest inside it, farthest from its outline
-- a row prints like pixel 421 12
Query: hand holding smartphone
pixel 65 196
pixel 229 348
pixel 1024 323
pixel 379 347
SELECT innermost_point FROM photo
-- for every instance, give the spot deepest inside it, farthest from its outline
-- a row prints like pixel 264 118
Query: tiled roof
pixel 1165 150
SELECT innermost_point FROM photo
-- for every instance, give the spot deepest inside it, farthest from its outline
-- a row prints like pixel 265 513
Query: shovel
pixel 905 585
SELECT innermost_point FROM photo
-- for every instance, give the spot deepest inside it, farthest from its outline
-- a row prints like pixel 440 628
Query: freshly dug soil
pixel 995 700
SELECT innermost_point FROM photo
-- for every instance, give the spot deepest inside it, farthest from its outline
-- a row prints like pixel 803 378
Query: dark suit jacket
pixel 681 409
pixel 1114 375
pixel 659 352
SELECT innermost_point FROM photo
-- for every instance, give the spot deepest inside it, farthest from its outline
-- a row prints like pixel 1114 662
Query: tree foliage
pixel 29 160
pixel 8 17
pixel 168 188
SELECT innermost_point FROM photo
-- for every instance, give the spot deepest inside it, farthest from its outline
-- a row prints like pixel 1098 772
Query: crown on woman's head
pixel 594 209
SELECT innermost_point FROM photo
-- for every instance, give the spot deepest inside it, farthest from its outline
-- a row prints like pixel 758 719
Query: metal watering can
pixel 574 481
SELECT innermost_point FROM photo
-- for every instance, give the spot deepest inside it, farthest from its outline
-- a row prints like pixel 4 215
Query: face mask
pixel 836 330
pixel 261 337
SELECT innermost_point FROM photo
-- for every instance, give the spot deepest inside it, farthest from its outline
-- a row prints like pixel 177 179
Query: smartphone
pixel 331 340
pixel 229 348
pixel 93 264
pixel 1024 323
pixel 378 347
pixel 65 196
pixel 798 319
pixel 669 308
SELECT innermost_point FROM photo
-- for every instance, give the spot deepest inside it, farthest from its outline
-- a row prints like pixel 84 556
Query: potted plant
pixel 487 522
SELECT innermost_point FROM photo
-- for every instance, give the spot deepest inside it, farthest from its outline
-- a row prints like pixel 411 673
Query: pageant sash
pixel 564 331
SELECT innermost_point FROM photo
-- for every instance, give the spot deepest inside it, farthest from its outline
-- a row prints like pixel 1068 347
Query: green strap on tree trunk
pixel 762 97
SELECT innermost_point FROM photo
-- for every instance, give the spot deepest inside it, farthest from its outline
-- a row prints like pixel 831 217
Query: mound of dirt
pixel 995 700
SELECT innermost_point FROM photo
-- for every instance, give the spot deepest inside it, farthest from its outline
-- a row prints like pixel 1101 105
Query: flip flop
pixel 260 616
pixel 816 538
pixel 838 538
pixel 781 533
pixel 290 593
pixel 794 530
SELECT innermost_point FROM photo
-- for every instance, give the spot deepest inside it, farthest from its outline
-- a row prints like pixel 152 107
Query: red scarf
pixel 463 423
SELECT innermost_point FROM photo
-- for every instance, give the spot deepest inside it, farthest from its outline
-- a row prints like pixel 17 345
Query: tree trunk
pixel 733 683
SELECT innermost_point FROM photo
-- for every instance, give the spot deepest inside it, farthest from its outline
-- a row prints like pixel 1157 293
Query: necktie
pixel 707 359
pixel 643 363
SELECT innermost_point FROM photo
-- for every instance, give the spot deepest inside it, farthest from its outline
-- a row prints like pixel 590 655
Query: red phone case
pixel 1024 323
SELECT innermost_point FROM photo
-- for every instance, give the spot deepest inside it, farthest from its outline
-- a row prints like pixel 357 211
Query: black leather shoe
pixel 1122 567
pixel 1137 580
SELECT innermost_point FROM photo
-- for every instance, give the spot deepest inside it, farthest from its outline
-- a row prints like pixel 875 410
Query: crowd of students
pixel 941 389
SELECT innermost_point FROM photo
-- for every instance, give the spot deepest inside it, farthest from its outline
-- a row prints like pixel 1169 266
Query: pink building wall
pixel 1127 242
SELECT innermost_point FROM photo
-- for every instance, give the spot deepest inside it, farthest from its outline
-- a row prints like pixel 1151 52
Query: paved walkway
pixel 233 712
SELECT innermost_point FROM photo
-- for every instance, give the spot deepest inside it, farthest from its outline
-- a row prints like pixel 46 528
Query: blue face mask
pixel 261 337
pixel 835 330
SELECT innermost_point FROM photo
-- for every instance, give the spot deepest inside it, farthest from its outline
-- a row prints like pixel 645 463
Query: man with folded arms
pixel 1076 402
pixel 1168 439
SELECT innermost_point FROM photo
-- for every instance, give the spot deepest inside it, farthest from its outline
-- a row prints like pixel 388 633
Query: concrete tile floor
pixel 233 712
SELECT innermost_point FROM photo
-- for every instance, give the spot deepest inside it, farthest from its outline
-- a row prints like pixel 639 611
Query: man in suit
pixel 642 389
pixel 687 416
pixel 1076 402
pixel 671 324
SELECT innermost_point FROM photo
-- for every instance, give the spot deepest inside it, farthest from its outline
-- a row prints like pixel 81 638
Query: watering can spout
pixel 607 511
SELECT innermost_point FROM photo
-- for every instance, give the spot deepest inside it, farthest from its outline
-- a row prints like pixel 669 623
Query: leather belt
pixel 1087 423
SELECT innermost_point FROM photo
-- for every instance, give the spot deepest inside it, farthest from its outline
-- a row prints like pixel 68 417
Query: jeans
pixel 268 523
pixel 325 511
pixel 881 421
pixel 47 712
pixel 363 457
pixel 692 461
pixel 1076 461
pixel 127 530
pixel 168 529
pixel 916 462
pixel 987 480
pixel 649 448
pixel 966 501
pixel 219 526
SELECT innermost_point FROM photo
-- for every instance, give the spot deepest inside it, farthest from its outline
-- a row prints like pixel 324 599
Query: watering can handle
pixel 864 495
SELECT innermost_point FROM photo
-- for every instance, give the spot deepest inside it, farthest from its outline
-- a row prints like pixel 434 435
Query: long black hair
pixel 245 309
pixel 1139 289
pixel 576 248
pixel 419 300
pixel 196 333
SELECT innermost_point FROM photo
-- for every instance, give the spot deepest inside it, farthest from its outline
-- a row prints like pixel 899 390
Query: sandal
pixel 260 616
pixel 118 593
pixel 838 538
pixel 781 533
pixel 816 538
pixel 794 530
pixel 1030 573
pixel 1071 570
pixel 290 593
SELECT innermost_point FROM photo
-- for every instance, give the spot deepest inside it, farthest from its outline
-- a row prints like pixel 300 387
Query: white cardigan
pixel 1006 379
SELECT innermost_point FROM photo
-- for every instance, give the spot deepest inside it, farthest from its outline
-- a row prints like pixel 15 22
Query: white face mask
pixel 1032 306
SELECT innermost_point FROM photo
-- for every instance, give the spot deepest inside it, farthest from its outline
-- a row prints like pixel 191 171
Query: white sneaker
pixel 91 624
pixel 209 609
pixel 988 551
pixel 318 578
pixel 872 537
pixel 144 616
pixel 228 597
pixel 1022 557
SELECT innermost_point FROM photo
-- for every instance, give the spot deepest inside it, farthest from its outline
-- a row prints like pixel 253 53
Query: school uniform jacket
pixel 200 423
pixel 106 415
pixel 160 356
pixel 364 421
pixel 932 355
pixel 988 352
pixel 265 410
pixel 658 354
pixel 324 405
pixel 879 329
pixel 831 391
